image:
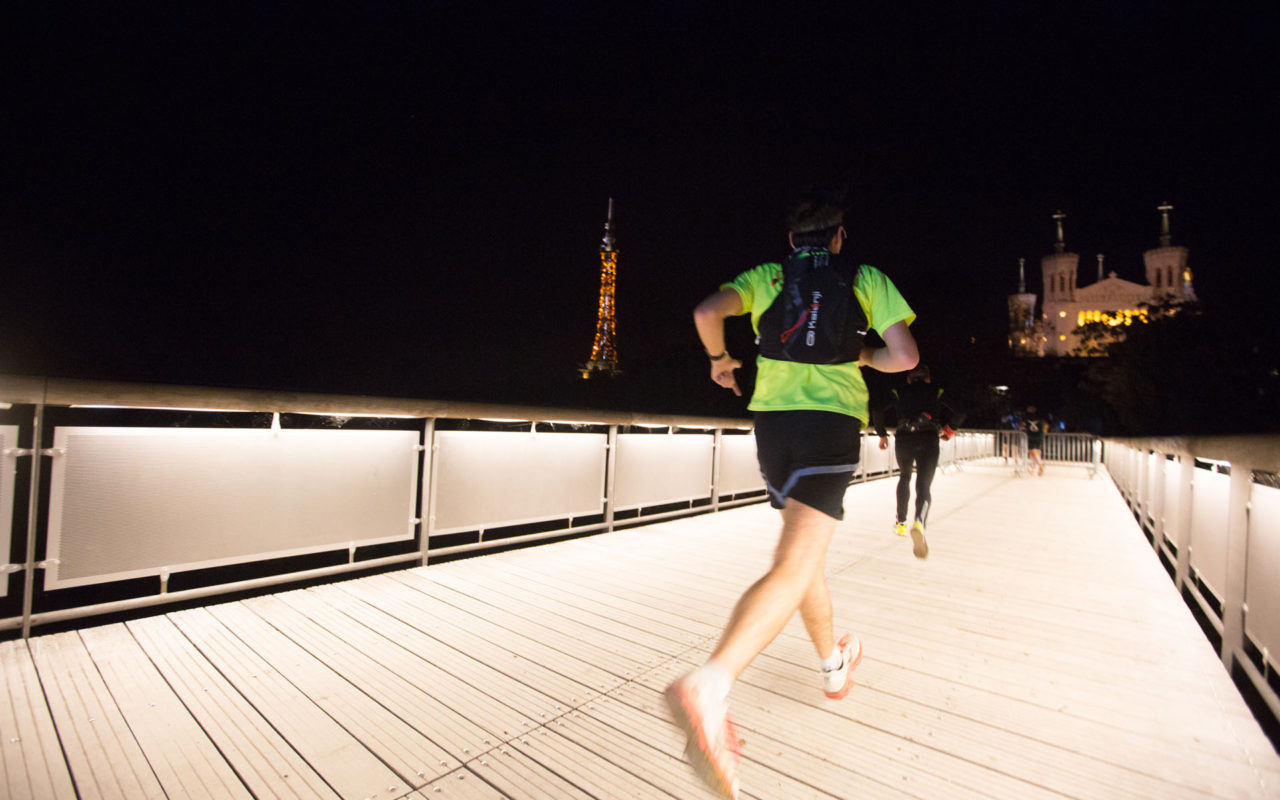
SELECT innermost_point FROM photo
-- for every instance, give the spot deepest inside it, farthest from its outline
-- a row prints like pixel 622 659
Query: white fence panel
pixel 739 468
pixel 875 460
pixel 1262 620
pixel 656 468
pixel 131 502
pixel 1209 528
pixel 8 469
pixel 1172 493
pixel 488 479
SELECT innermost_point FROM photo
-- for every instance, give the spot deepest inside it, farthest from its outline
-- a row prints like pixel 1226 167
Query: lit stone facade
pixel 1065 305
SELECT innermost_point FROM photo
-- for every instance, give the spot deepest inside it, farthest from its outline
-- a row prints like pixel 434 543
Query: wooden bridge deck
pixel 1040 652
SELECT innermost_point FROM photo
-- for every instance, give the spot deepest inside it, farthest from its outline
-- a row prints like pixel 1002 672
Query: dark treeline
pixel 1202 370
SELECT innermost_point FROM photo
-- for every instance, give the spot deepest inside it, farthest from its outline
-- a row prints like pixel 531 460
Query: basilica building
pixel 1053 330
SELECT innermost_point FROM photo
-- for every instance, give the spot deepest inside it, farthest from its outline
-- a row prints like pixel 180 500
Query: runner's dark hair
pixel 816 215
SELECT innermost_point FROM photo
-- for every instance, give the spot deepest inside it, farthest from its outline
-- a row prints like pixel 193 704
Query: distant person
pixel 808 420
pixel 923 419
pixel 1035 426
pixel 1012 422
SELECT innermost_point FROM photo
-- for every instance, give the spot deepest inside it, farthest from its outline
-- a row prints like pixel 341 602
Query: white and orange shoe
pixel 713 748
pixel 837 682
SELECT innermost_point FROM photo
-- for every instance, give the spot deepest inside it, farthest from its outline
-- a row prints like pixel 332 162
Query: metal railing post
pixel 1241 489
pixel 33 516
pixel 1182 523
pixel 1158 500
pixel 426 514
pixel 717 453
pixel 1141 499
pixel 862 455
pixel 610 474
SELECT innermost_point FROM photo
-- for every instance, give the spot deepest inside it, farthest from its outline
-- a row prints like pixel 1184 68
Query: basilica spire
pixel 1060 246
pixel 1022 276
pixel 1165 238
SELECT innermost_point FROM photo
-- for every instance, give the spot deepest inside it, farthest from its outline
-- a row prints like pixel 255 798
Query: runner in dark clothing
pixel 1035 427
pixel 923 418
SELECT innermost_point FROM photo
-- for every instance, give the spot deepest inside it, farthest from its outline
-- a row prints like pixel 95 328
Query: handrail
pixel 1259 452
pixel 72 392
pixel 713 493
pixel 1212 532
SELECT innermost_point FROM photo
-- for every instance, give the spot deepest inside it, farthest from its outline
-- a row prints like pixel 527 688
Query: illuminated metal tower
pixel 604 350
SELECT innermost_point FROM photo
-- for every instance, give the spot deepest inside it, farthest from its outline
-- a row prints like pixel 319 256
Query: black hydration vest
pixel 815 319
pixel 918 408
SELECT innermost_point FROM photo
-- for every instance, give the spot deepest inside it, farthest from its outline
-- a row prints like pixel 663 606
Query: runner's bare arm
pixel 899 353
pixel 709 319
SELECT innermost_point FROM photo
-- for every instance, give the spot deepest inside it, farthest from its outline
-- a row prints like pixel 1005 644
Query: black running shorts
pixel 809 456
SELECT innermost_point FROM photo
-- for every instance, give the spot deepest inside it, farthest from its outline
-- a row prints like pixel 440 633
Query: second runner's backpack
pixel 815 319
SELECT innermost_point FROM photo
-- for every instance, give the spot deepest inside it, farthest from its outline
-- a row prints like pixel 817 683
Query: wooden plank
pixel 461 784
pixel 1036 654
pixel 102 753
pixel 398 741
pixel 640 737
pixel 830 742
pixel 1057 757
pixel 263 759
pixel 462 713
pixel 560 614
pixel 624 609
pixel 419 631
pixel 180 754
pixel 277 689
pixel 1142 748
pixel 31 762
pixel 612 654
pixel 1041 657
pixel 633 740
pixel 518 776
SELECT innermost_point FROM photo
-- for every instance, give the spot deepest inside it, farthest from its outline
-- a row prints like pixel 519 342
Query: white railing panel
pixel 1262 621
pixel 947 451
pixel 1172 491
pixel 489 479
pixel 1154 465
pixel 8 471
pixel 132 502
pixel 655 468
pixel 1209 528
pixel 984 444
pixel 877 461
pixel 739 468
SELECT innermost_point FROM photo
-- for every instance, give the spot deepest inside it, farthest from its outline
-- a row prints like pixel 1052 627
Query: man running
pixel 923 418
pixel 808 422
pixel 1035 426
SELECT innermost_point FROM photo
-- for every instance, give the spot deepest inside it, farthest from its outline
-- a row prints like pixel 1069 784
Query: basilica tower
pixel 1024 328
pixel 1060 269
pixel 1167 270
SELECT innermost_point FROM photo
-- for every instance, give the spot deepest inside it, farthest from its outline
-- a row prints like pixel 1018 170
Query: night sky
pixel 408 198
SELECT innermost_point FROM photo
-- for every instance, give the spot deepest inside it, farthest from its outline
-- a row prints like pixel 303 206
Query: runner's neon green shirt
pixel 789 385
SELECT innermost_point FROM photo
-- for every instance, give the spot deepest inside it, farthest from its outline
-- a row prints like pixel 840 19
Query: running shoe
pixel 837 682
pixel 713 749
pixel 900 528
pixel 919 546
